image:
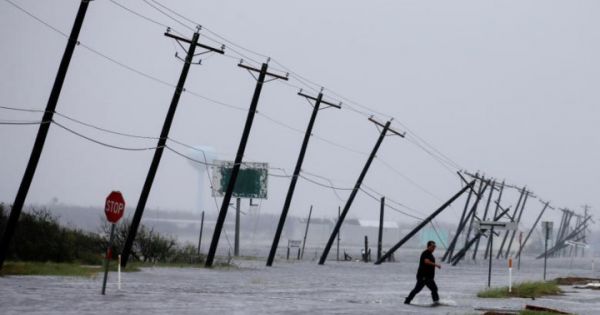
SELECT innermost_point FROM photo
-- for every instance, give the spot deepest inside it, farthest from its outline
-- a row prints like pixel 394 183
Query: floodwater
pixel 291 287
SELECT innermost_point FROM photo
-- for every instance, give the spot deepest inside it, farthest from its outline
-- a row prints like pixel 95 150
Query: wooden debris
pixel 544 309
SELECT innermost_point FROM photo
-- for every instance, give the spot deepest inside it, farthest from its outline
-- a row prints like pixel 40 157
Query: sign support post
pixel 490 225
pixel 114 208
pixel 108 257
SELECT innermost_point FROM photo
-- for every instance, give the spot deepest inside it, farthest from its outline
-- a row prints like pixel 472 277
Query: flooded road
pixel 290 287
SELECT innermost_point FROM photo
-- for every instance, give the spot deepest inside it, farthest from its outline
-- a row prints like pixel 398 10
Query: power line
pixel 100 142
pixel 21 122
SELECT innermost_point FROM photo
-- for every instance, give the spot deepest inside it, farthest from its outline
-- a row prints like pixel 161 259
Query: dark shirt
pixel 426 271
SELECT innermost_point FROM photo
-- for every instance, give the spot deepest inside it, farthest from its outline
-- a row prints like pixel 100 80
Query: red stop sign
pixel 114 207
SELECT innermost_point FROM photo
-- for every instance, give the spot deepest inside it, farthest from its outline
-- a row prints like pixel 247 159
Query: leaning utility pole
pixel 423 223
pixel 40 139
pixel 459 228
pixel 306 232
pixel 200 237
pixel 164 134
pixel 288 198
pixel 490 240
pixel 380 236
pixel 512 219
pixel 527 194
pixel 485 213
pixel 262 74
pixel 546 205
pixel 339 222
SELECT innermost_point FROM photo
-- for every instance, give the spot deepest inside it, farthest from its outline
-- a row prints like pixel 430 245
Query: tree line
pixel 40 237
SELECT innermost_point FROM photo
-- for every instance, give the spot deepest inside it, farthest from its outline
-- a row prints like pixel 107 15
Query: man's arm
pixel 431 263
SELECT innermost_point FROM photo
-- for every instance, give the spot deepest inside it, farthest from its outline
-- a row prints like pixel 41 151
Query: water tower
pixel 205 154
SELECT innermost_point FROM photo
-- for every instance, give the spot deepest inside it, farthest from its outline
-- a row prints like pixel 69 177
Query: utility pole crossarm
pixel 249 68
pixel 219 51
pixel 322 101
pixel 389 129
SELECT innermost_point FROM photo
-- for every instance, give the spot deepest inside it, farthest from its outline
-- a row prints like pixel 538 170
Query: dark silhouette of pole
pixel 527 193
pixel 294 179
pixel 423 223
pixel 459 228
pixel 201 228
pixel 489 245
pixel 236 245
pixel 380 238
pixel 339 222
pixel 262 73
pixel 483 185
pixel 306 232
pixel 512 219
pixel 545 251
pixel 546 204
pixel 461 254
pixel 40 139
pixel 490 258
pixel 164 134
pixel 487 207
pixel 337 255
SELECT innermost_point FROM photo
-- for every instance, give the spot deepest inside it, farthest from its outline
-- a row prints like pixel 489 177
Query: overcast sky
pixel 509 88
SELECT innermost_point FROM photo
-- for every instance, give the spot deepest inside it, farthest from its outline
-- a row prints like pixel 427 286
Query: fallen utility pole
pixel 423 223
pixel 483 185
pixel 164 135
pixel 512 218
pixel 461 254
pixel 485 213
pixel 262 74
pixel 561 244
pixel 461 223
pixel 40 139
pixel 489 244
pixel 290 193
pixel 338 224
pixel 527 194
pixel 546 205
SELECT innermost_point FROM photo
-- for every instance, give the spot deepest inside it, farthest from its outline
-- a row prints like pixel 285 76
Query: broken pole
pixel 423 223
pixel 262 73
pixel 290 193
pixel 359 181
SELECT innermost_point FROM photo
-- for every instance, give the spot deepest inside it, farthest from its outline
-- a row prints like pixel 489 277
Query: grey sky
pixel 505 87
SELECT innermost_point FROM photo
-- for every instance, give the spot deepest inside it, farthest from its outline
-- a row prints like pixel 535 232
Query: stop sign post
pixel 114 208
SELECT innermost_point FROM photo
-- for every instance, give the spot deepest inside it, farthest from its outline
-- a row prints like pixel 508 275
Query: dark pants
pixel 421 282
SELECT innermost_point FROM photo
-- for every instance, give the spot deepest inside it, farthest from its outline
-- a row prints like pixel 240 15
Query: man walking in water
pixel 425 274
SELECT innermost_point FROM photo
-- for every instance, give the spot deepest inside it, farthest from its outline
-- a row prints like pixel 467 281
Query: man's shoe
pixel 407 301
pixel 436 303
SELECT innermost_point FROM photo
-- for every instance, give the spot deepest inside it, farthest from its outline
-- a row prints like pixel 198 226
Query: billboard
pixel 252 180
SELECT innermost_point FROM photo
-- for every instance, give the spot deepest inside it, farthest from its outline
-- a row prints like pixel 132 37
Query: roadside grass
pixel 523 290
pixel 30 268
pixel 22 268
